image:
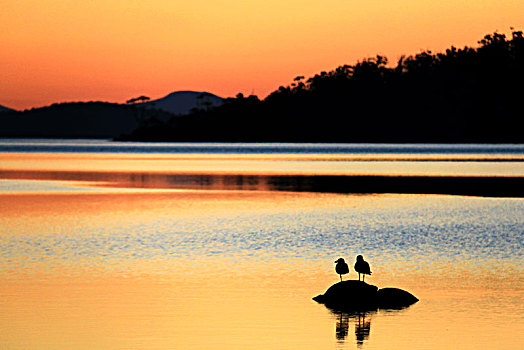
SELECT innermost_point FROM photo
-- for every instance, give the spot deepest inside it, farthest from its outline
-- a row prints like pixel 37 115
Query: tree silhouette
pixel 140 99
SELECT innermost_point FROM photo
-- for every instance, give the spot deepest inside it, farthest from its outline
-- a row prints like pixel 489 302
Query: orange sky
pixel 112 50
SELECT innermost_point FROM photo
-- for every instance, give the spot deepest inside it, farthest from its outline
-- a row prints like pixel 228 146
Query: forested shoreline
pixel 460 95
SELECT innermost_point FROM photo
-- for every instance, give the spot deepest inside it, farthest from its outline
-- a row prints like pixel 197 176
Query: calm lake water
pixel 92 260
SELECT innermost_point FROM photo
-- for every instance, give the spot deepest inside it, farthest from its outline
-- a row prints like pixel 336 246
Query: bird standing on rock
pixel 341 268
pixel 362 267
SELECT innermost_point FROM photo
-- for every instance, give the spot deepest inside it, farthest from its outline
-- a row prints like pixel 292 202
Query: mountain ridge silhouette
pixel 182 102
pixel 96 119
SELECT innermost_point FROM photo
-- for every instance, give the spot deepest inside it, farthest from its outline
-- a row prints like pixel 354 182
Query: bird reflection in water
pixel 342 327
pixel 362 323
pixel 362 328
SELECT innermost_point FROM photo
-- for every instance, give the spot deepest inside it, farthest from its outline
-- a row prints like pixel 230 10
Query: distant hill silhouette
pixel 100 119
pixel 6 109
pixel 182 102
pixel 460 95
pixel 77 120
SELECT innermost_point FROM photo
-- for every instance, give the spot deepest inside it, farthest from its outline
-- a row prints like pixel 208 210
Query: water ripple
pixel 390 229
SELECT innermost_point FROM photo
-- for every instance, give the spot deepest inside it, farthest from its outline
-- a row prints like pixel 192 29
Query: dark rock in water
pixel 355 295
pixel 358 295
pixel 393 298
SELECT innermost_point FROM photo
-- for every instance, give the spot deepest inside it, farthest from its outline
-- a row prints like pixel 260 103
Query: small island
pixel 360 296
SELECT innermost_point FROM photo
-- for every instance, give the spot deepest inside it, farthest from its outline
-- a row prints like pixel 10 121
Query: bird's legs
pixel 363 276
pixel 340 278
pixel 359 276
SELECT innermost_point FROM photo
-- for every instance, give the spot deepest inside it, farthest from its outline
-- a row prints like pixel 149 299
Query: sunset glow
pixel 111 50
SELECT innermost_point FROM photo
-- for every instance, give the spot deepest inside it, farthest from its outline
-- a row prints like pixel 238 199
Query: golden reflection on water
pixel 436 174
pixel 261 164
pixel 206 311
pixel 189 301
pixel 85 267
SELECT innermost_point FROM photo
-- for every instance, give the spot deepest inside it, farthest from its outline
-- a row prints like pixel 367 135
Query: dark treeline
pixel 461 95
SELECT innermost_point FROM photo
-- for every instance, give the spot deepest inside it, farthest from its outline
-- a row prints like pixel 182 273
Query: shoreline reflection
pixel 498 186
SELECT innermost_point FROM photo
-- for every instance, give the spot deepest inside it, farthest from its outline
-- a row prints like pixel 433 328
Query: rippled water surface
pixel 106 146
pixel 84 267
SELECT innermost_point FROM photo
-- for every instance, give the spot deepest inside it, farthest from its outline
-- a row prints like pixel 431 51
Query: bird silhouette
pixel 362 267
pixel 341 268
